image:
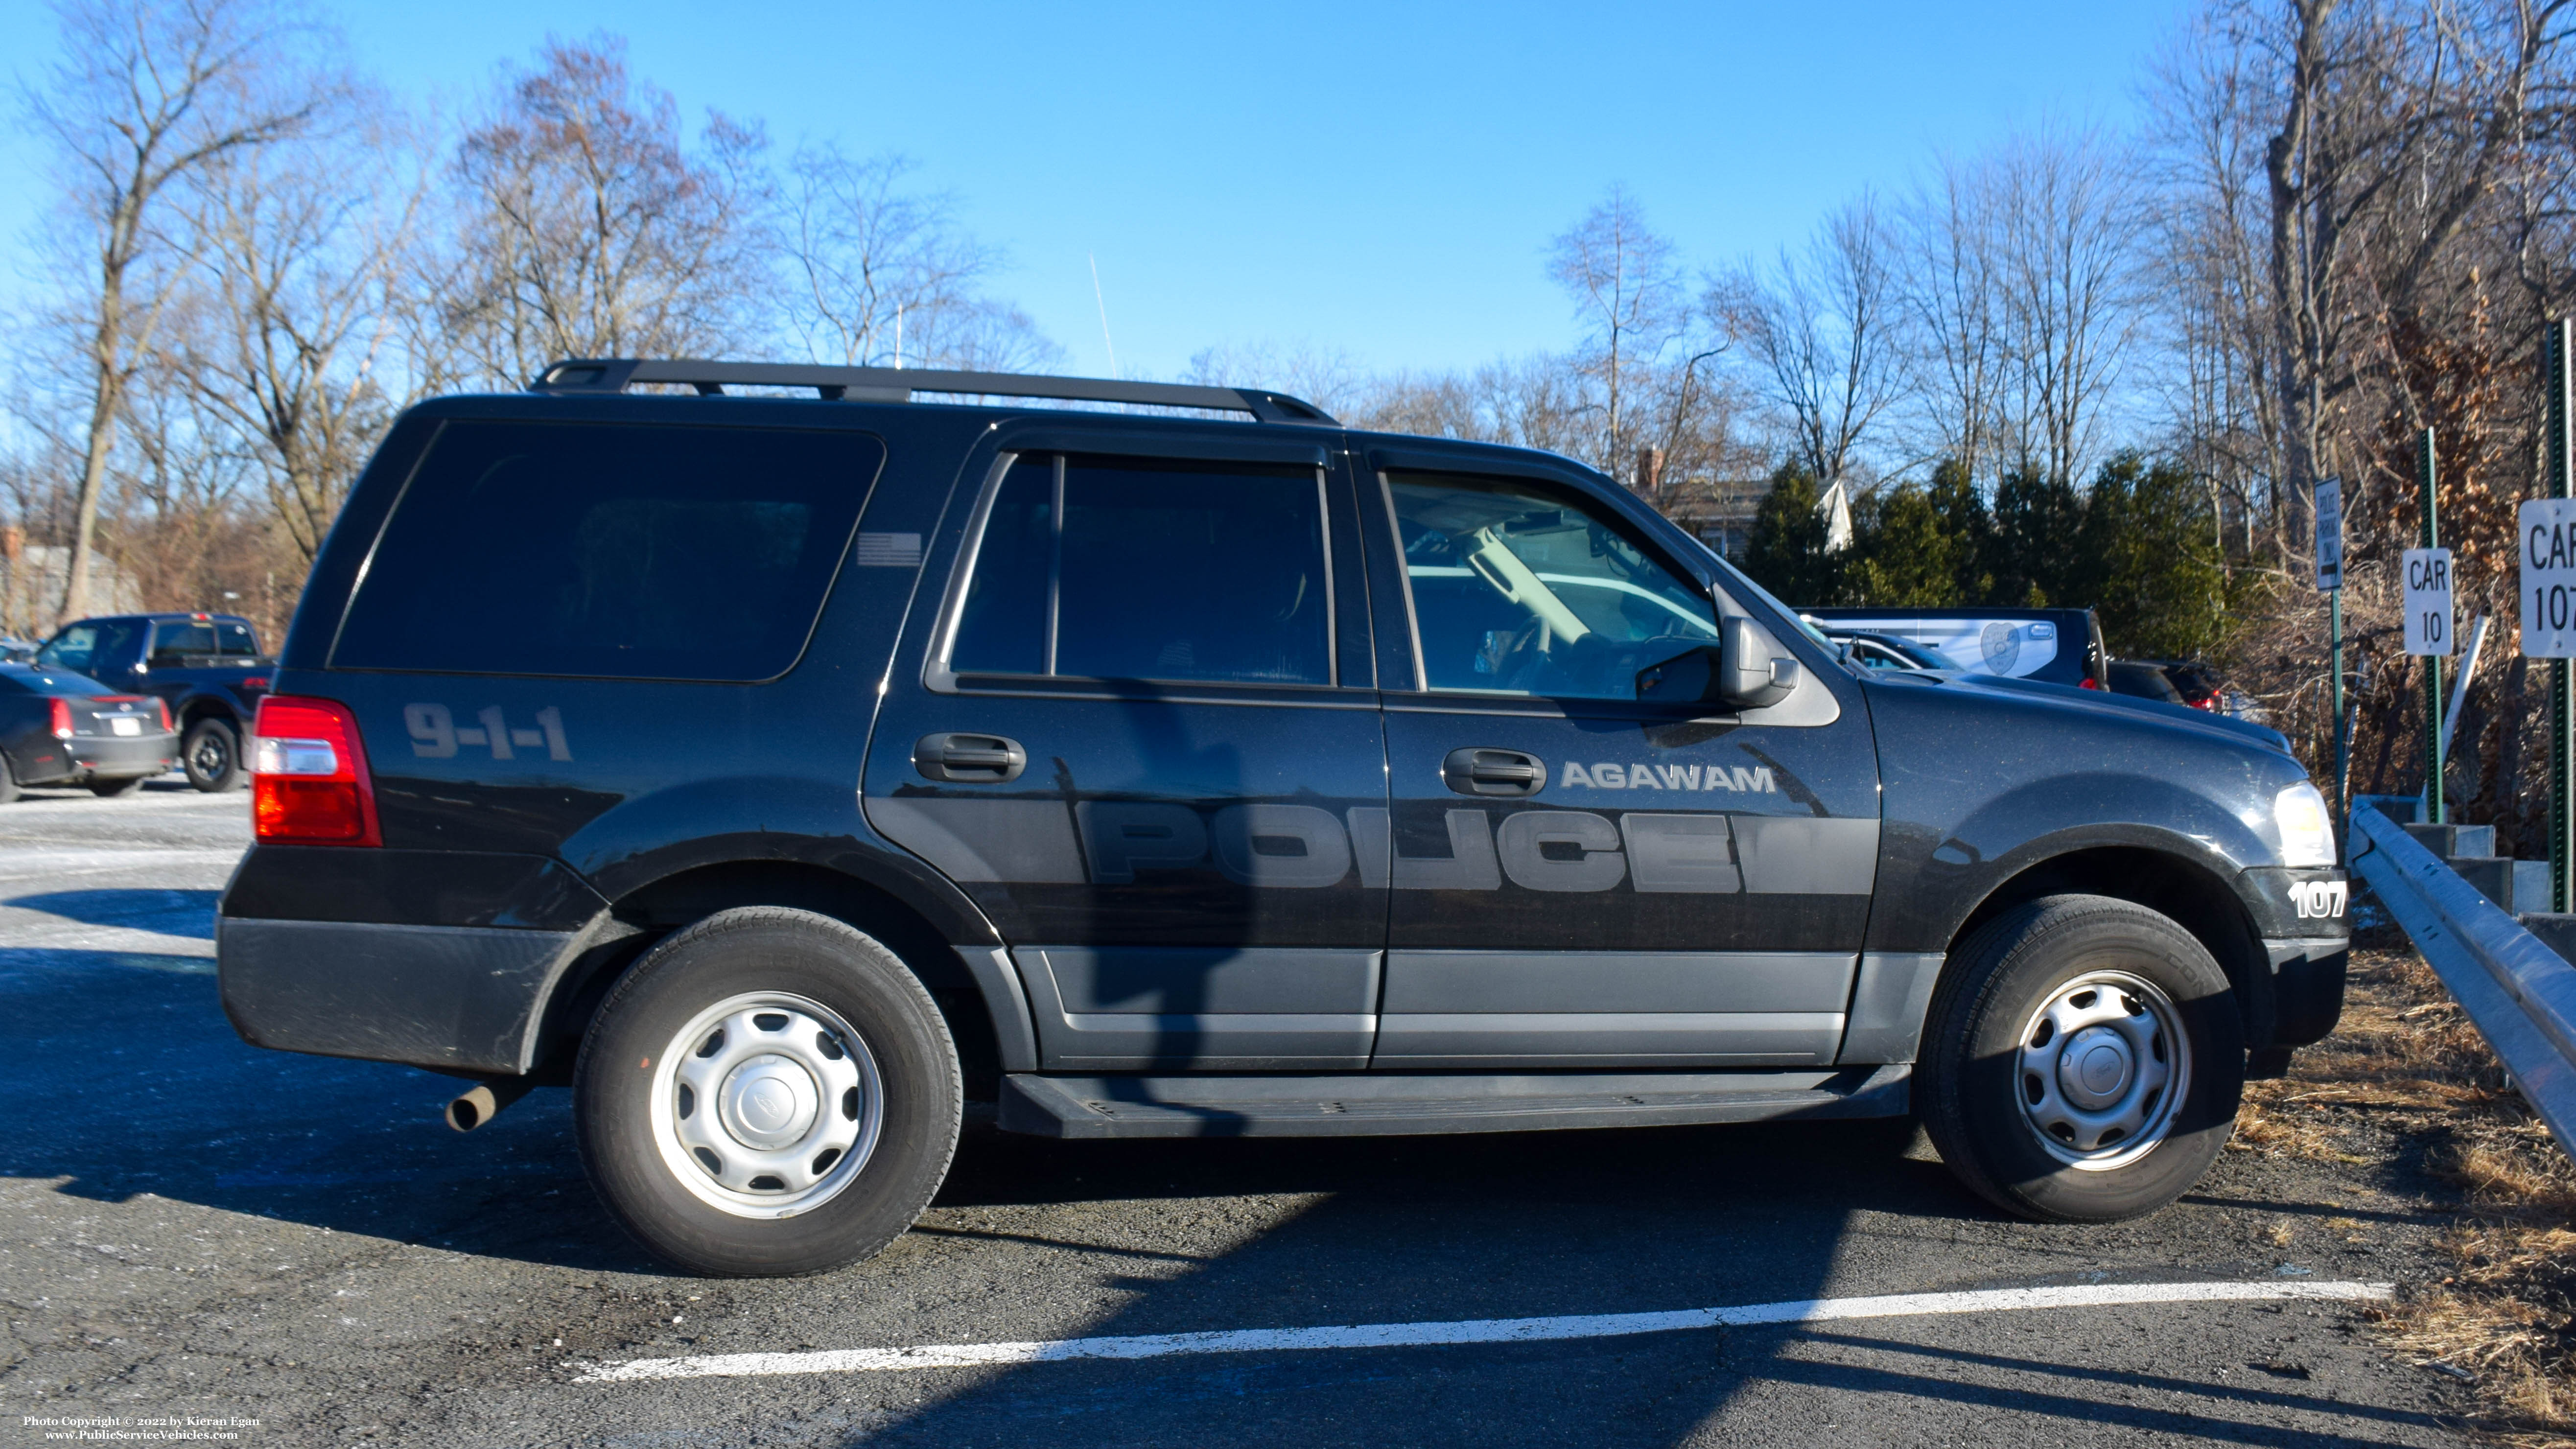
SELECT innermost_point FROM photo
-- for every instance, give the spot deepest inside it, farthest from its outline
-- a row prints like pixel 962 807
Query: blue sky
pixel 1377 178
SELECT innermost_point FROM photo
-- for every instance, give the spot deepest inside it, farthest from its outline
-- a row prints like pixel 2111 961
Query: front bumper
pixel 2304 917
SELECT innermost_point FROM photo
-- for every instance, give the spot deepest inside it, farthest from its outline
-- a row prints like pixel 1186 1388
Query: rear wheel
pixel 768 1092
pixel 2082 1061
pixel 111 789
pixel 211 754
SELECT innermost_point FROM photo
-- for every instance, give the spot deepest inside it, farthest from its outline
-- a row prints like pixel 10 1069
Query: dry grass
pixel 2504 1320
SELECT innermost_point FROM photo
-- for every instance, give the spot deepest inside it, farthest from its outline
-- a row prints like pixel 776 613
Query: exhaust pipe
pixel 485 1102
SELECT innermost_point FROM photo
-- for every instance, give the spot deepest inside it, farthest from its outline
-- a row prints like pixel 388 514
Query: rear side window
pixel 233 639
pixel 172 644
pixel 610 551
pixel 1123 568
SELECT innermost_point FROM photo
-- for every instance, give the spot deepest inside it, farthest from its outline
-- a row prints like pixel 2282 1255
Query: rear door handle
pixel 1494 772
pixel 969 759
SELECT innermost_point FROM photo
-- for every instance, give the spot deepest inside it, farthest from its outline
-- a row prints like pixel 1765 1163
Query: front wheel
pixel 768 1092
pixel 2082 1061
pixel 211 754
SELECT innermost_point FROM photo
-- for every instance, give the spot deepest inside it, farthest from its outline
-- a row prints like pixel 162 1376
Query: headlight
pixel 2307 831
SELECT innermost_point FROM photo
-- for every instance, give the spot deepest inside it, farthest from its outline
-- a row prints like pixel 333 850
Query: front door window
pixel 1516 592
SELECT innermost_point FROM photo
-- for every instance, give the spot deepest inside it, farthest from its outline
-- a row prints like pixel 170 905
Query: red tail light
pixel 2088 684
pixel 165 715
pixel 62 722
pixel 309 781
pixel 2206 701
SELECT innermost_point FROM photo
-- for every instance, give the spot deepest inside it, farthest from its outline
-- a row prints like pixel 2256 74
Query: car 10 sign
pixel 2428 601
pixel 2549 578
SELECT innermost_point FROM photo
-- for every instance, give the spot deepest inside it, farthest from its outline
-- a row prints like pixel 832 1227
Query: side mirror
pixel 1741 671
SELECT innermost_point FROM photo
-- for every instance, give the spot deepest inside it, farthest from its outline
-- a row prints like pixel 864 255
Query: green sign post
pixel 2554 483
pixel 2329 512
pixel 2433 812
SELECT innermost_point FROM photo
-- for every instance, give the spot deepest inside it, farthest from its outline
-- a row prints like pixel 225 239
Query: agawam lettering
pixel 1751 780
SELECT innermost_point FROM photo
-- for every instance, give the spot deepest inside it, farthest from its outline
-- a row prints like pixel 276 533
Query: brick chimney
pixel 1650 472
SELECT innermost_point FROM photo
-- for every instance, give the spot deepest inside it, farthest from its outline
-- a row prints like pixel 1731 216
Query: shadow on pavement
pixel 168 912
pixel 174 1104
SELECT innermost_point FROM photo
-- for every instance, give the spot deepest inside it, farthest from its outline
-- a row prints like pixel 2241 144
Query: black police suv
pixel 206 667
pixel 61 728
pixel 785 772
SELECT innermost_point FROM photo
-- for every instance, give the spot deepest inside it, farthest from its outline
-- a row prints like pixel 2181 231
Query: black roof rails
pixel 891 384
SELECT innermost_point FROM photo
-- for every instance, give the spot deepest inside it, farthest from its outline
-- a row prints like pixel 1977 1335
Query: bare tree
pixel 2372 113
pixel 2068 220
pixel 1949 289
pixel 1628 290
pixel 587 228
pixel 302 248
pixel 884 275
pixel 1819 334
pixel 1328 377
pixel 145 95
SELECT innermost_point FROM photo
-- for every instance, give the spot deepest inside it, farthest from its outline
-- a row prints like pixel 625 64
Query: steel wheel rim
pixel 2101 1070
pixel 210 756
pixel 766 1105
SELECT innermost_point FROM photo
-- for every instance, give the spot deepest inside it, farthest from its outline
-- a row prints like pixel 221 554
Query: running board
pixel 1358 1106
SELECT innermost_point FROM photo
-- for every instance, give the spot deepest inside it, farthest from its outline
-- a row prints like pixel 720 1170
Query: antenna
pixel 1104 313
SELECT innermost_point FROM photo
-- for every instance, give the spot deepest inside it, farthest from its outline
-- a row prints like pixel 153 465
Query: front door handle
pixel 969 759
pixel 1494 772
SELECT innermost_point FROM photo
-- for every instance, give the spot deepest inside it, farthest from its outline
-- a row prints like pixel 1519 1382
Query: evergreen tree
pixel 2147 561
pixel 1785 552
pixel 1906 555
pixel 2031 554
pixel 1968 525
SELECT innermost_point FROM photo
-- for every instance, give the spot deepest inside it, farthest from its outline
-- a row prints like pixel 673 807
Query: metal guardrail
pixel 2521 994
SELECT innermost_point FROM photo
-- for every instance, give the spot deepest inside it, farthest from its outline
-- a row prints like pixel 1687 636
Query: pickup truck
pixel 207 667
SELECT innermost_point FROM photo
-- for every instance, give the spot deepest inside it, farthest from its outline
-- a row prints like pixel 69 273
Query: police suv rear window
pixel 613 551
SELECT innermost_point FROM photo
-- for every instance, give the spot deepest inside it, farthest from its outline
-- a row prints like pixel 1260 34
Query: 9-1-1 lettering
pixel 435 736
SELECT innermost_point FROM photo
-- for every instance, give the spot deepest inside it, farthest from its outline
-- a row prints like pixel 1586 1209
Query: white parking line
pixel 1479 1330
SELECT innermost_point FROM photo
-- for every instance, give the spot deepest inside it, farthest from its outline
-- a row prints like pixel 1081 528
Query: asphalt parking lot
pixel 189 1227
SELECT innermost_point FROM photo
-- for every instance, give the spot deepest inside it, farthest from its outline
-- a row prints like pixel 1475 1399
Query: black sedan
pixel 61 728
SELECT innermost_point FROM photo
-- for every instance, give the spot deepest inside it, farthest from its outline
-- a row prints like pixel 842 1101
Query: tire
pixel 2092 1134
pixel 211 754
pixel 114 789
pixel 754 988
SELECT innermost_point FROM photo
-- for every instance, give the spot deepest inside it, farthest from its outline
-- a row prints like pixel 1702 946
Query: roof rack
pixel 891 384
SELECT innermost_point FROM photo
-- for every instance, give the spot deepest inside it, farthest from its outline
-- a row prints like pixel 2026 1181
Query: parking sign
pixel 2428 601
pixel 2330 534
pixel 2548 529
